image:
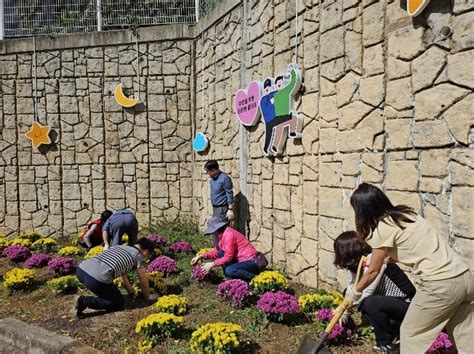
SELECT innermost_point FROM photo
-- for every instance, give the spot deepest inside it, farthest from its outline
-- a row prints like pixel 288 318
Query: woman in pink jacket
pixel 233 252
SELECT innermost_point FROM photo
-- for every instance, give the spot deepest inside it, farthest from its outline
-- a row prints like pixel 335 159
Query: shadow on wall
pixel 242 221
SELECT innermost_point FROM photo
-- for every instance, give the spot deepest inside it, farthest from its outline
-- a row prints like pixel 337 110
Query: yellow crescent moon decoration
pixel 123 100
pixel 415 7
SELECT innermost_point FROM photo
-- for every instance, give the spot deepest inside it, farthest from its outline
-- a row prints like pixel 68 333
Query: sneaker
pixel 294 135
pixel 78 307
pixel 386 348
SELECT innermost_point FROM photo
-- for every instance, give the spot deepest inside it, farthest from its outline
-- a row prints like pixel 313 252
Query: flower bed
pixel 269 281
pixel 163 264
pixel 71 251
pixel 63 265
pixel 17 253
pixel 155 326
pixel 218 337
pixel 172 304
pixel 47 244
pixel 339 334
pixel 64 285
pixel 19 278
pixel 38 260
pixel 278 305
pixel 94 251
pixel 235 290
pixel 310 303
pixel 157 240
pixel 181 247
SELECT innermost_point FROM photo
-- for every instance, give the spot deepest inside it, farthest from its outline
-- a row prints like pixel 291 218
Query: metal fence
pixel 22 18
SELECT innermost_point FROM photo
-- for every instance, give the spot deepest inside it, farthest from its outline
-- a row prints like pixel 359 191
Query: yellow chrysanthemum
pixel 5 242
pixel 68 283
pixel 94 251
pixel 203 251
pixel 269 280
pixel 172 304
pixel 21 241
pixel 71 251
pixel 32 236
pixel 47 244
pixel 219 337
pixel 154 326
pixel 19 278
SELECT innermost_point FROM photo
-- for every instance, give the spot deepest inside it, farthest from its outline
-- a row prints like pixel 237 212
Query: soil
pixel 115 332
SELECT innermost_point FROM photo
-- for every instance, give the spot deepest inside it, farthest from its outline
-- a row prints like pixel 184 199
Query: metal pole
pixel 98 11
pixel 196 8
pixel 2 20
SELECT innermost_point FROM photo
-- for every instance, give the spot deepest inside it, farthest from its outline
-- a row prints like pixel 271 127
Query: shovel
pixel 310 346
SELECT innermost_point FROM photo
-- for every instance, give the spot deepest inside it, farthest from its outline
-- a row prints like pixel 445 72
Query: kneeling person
pixel 99 272
pixel 233 251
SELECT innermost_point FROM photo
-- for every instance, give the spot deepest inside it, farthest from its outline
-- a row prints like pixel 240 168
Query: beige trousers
pixel 437 304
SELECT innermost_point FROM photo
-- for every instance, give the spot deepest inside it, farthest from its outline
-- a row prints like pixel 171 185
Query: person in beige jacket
pixel 445 297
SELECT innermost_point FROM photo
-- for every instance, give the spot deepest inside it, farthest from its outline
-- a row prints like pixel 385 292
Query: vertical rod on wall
pixel 196 9
pixel 35 84
pixel 98 11
pixel 243 135
pixel 2 20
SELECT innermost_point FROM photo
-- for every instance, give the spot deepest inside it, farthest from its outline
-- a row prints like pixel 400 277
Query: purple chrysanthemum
pixel 17 253
pixel 181 247
pixel 157 240
pixel 38 260
pixel 324 314
pixel 163 264
pixel 278 304
pixel 63 265
pixel 442 344
pixel 235 290
pixel 199 274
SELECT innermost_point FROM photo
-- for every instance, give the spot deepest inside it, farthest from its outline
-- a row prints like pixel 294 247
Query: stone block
pixel 402 176
pixel 431 134
pixel 406 43
pixel 332 44
pixel 372 90
pixel 331 16
pixel 353 48
pixel 352 114
pixel 399 94
pixel 434 163
pixel 426 68
pixel 462 30
pixel 407 198
pixel 399 133
pixel 330 174
pixel 431 102
pixel 374 60
pixel 331 202
pixel 373 23
pixel 346 88
pixel 463 210
pixel 456 68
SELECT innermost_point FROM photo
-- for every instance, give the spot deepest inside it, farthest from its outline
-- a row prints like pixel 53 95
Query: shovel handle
pixel 346 302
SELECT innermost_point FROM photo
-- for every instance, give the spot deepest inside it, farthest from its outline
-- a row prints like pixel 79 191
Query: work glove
pixel 153 297
pixel 195 260
pixel 206 267
pixel 230 215
pixel 353 294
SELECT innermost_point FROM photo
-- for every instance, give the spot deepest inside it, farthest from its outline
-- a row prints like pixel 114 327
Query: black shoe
pixel 294 135
pixel 274 150
pixel 78 307
pixel 387 348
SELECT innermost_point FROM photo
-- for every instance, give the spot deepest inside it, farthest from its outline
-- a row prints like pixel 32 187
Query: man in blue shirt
pixel 222 197
pixel 123 221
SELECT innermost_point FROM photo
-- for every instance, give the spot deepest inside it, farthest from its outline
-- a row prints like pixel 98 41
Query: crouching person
pixel 233 252
pixel 99 272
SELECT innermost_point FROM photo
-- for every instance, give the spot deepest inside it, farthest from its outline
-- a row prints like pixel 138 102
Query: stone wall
pixel 104 156
pixel 388 100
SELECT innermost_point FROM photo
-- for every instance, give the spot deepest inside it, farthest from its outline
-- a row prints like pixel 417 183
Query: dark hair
pixel 221 229
pixel 211 165
pixel 371 206
pixel 349 247
pixel 105 216
pixel 145 244
pixel 278 79
pixel 267 83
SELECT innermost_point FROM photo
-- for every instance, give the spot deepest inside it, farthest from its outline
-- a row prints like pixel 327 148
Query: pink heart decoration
pixel 246 104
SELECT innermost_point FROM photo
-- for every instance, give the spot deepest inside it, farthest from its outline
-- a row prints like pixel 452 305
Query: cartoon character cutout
pixel 278 115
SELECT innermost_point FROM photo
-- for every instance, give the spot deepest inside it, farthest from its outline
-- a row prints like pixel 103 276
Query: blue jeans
pixel 124 223
pixel 243 270
pixel 108 297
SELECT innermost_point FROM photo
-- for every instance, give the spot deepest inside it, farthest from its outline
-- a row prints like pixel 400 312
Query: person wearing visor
pixel 233 252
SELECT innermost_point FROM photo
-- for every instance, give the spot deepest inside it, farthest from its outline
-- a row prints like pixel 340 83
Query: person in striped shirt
pixel 99 272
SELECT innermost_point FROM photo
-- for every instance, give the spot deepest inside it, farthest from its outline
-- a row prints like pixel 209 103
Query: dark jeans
pixel 126 223
pixel 385 313
pixel 269 129
pixel 108 296
pixel 246 270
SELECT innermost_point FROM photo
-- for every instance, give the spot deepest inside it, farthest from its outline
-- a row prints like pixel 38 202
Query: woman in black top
pixel 385 302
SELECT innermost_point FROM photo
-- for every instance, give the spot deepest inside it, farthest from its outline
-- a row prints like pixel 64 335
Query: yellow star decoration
pixel 38 135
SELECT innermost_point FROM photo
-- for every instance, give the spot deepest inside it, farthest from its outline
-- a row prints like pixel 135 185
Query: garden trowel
pixel 309 345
